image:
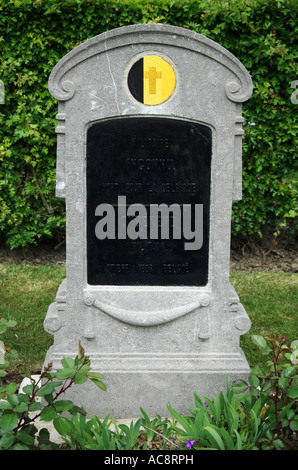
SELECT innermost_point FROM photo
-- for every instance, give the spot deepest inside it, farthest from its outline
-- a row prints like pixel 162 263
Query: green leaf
pixel 23 398
pixel 267 386
pixel 283 382
pixel 62 425
pixel 239 386
pixel 239 441
pixel 260 342
pixel 293 392
pixel 210 405
pixel 80 378
pixel 49 398
pixel 294 426
pixel 96 375
pixel 254 381
pixel 57 383
pixel 48 414
pixel 77 410
pixel 214 438
pixel 230 445
pixel 8 421
pixel 99 384
pixel 181 420
pixel 19 446
pixel 290 414
pixel 232 418
pixel 63 405
pixel 68 362
pixel 5 405
pixel 24 437
pixel 289 371
pixel 278 444
pixel 67 373
pixel 44 442
pixel 7 440
pixel 28 389
pixel 35 406
pixel 45 390
pixel 256 370
pixel 10 323
pixel 44 435
pixel 11 388
pixel 284 411
pixel 26 372
pixel 13 400
pixel 21 407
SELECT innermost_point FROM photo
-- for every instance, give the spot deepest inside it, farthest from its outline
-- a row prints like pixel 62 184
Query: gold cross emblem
pixel 152 76
pixel 151 79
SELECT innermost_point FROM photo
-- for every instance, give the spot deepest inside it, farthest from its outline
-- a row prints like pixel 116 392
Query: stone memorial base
pixel 152 365
pixel 155 381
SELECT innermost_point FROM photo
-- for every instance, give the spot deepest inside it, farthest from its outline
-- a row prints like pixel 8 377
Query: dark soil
pixel 277 255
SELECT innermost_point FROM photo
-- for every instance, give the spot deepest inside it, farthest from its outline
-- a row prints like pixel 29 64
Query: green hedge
pixel 36 34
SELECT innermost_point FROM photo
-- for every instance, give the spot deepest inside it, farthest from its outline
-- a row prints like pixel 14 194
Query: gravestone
pixel 149 164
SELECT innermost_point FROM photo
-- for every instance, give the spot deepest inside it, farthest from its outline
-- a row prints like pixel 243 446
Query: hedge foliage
pixel 36 34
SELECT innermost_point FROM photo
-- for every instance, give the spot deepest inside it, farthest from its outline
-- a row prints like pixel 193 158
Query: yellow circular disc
pixel 151 80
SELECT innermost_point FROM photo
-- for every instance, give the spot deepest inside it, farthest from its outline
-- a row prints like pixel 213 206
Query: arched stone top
pixel 238 90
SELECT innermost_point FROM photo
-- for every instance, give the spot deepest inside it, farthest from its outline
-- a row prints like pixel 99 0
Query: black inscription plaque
pixel 148 161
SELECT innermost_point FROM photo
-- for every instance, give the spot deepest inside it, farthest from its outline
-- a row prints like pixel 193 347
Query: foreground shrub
pixel 266 418
pixel 20 410
pixel 261 415
pixel 229 422
pixel 277 381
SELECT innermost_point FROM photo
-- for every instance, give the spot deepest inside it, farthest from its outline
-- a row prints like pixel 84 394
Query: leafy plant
pixel 264 418
pixel 81 433
pixel 277 381
pixel 127 436
pixel 154 427
pixel 95 434
pixel 229 422
pixel 19 410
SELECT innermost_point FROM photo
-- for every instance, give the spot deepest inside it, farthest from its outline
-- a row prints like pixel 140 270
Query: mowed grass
pixel 25 295
pixel 270 300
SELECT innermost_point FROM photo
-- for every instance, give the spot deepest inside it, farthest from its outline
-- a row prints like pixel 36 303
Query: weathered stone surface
pixel 154 343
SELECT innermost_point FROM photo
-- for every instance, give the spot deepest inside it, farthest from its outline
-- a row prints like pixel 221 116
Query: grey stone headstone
pixel 149 113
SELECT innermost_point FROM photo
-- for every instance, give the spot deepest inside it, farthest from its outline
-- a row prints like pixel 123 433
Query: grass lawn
pixel 270 300
pixel 25 295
